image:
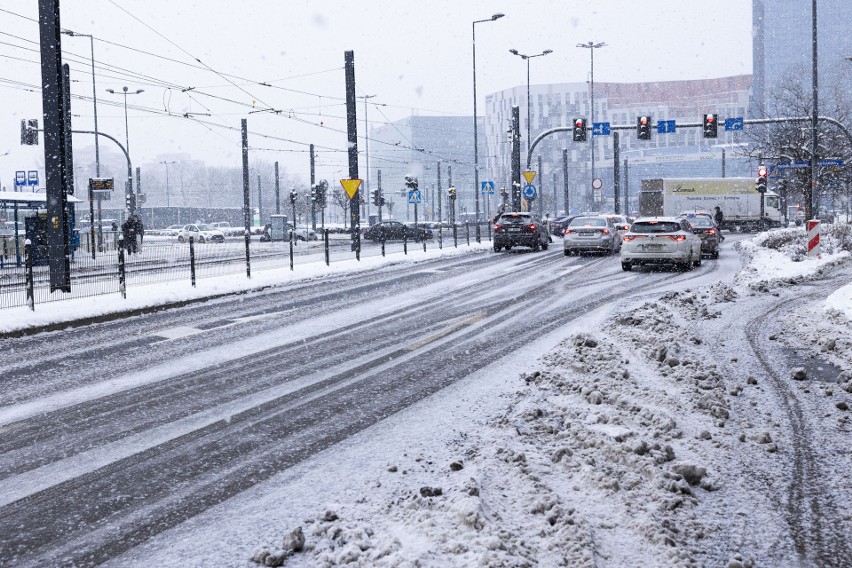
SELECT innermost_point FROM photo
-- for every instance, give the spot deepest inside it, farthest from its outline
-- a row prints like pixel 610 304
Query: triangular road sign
pixel 529 176
pixel 350 186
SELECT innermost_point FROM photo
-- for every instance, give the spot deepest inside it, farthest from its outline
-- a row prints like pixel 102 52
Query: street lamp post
pixel 527 59
pixel 127 139
pixel 367 154
pixel 591 46
pixel 167 180
pixel 475 126
pixel 94 98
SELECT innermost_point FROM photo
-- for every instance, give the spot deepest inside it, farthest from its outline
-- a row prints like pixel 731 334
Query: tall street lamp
pixel 129 192
pixel 94 98
pixel 529 104
pixel 167 180
pixel 591 46
pixel 126 134
pixel 367 153
pixel 475 134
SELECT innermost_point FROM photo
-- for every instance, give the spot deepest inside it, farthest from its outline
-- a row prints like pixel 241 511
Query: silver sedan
pixel 591 233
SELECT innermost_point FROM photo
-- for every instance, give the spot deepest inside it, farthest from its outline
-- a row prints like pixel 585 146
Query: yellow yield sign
pixel 350 186
pixel 529 176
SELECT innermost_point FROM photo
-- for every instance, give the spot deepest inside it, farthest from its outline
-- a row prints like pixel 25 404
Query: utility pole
pixel 812 194
pixel 313 191
pixel 616 183
pixel 565 179
pixel 381 195
pixel 352 138
pixel 259 202
pixel 516 158
pixel 440 197
pixel 246 196
pixel 277 192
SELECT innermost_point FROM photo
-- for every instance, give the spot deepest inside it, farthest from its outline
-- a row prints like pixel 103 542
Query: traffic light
pixel 452 193
pixel 29 132
pixel 711 125
pixel 293 196
pixel 314 193
pixel 322 193
pixel 643 127
pixel 579 130
pixel 374 197
pixel 761 179
pixel 130 201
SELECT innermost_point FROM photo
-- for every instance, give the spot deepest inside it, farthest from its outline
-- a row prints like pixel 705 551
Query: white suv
pixel 200 233
pixel 660 240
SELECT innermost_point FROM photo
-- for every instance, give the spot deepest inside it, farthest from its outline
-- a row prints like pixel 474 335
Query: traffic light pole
pixel 246 195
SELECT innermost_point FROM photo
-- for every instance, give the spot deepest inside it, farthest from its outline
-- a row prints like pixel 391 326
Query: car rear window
pixel 515 220
pixel 588 222
pixel 655 227
pixel 700 221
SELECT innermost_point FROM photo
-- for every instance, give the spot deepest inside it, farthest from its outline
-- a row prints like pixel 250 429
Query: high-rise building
pixel 783 49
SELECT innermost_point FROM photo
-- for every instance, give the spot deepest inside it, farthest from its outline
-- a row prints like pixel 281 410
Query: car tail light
pixel 605 231
pixel 710 231
pixel 498 228
pixel 531 227
pixel 676 238
pixel 568 231
pixel 628 238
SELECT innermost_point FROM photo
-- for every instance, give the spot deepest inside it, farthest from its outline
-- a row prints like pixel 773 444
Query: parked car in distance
pixel 520 228
pixel 227 229
pixel 200 233
pixel 620 221
pixel 396 231
pixel 660 240
pixel 706 229
pixel 596 233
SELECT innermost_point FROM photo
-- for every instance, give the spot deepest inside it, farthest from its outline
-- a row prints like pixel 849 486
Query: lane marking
pixel 446 331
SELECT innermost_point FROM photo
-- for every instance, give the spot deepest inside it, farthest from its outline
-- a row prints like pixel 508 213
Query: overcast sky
pixel 414 56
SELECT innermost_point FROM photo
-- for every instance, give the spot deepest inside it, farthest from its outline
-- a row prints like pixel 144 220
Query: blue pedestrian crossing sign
pixel 529 192
pixel 488 187
pixel 414 196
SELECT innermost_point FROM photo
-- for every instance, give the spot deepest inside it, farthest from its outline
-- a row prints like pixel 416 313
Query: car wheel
pixel 497 247
pixel 544 245
pixel 697 262
pixel 567 252
pixel 715 255
pixel 626 266
pixel 536 246
pixel 201 240
pixel 508 247
pixel 181 240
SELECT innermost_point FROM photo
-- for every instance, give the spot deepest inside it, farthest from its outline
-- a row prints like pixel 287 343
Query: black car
pixel 519 228
pixel 396 231
pixel 558 225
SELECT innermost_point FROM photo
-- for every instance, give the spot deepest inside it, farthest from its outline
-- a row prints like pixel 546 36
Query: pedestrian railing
pixel 117 266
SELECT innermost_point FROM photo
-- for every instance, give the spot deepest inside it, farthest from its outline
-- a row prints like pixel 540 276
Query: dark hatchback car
pixel 519 228
pixel 557 226
pixel 396 231
pixel 706 229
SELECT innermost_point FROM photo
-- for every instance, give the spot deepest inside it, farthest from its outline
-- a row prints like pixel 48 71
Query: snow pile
pixel 605 454
pixel 779 257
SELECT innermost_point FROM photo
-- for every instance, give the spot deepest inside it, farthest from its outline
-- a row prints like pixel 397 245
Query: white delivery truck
pixel 736 197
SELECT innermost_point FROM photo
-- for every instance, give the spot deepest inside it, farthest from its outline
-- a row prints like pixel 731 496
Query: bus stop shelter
pixel 16 202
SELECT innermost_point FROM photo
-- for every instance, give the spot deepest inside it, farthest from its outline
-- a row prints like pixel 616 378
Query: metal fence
pixel 99 266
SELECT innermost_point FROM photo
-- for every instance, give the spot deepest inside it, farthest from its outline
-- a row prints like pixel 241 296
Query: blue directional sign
pixel 666 126
pixel 734 123
pixel 488 187
pixel 529 192
pixel 835 163
pixel 601 129
pixel 793 165
pixel 20 178
pixel 414 196
pixel 32 177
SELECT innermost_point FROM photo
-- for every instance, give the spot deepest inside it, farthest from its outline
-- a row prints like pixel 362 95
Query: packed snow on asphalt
pixel 645 437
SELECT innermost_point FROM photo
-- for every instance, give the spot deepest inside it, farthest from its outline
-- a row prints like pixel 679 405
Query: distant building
pixel 683 153
pixel 415 146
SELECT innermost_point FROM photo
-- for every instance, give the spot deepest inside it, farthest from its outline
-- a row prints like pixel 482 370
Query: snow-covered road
pixel 489 409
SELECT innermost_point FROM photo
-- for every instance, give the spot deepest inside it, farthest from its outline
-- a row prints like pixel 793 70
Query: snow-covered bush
pixel 792 242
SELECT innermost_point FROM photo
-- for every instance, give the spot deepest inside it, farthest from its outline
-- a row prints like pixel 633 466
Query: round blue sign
pixel 529 192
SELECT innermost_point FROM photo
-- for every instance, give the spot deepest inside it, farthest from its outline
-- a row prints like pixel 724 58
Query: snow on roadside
pixel 613 451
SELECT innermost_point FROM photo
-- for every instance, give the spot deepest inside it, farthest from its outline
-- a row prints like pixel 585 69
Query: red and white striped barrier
pixel 813 238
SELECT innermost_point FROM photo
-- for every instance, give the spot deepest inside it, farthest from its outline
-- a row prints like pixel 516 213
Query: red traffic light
pixel 580 123
pixel 710 118
pixel 643 120
pixel 762 171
